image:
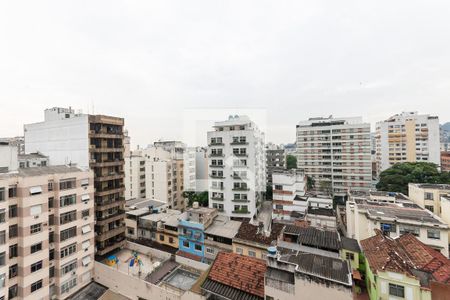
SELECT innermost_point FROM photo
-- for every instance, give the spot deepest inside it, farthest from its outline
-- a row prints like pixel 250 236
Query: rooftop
pixel 144 203
pixel 31 156
pixel 254 233
pixel 406 255
pixel 315 237
pixel 332 269
pixel 47 170
pixel 236 276
pixel 321 211
pixel 432 186
pixel 224 227
pixel 170 217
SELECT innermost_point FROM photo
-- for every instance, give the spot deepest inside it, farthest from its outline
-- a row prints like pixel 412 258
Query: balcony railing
pixel 239 143
pixel 216 144
pixel 240 200
pixel 216 166
pixel 241 211
pixel 216 155
pixel 241 189
pixel 217 198
pixel 240 154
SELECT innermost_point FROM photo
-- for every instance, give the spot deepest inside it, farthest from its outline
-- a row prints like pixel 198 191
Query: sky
pixel 171 67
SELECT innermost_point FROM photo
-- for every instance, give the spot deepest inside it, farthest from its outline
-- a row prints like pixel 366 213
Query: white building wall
pixel 8 157
pixel 64 141
pixel 201 170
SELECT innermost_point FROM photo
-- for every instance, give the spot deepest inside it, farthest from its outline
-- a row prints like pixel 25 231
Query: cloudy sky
pixel 164 64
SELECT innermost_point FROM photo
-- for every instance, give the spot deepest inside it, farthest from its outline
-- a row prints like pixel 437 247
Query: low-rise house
pixel 233 276
pixel 404 268
pixel 307 276
pixel 395 216
pixel 321 217
pixel 161 228
pixel 191 232
pixel 253 240
pixel 428 196
pixel 219 236
pixel 32 160
pixel 296 239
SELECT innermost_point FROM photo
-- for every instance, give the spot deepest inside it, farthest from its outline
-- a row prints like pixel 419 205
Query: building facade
pixel 275 161
pixel 336 153
pixel 407 137
pixel 445 161
pixel 46 232
pixel 94 141
pixel 237 167
pixel 135 175
pixel 288 189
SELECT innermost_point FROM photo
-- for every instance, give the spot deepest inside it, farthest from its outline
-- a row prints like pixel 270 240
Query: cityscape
pixel 224 150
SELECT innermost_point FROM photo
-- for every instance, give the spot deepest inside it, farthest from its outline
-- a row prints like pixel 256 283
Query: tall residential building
pixel 94 141
pixel 237 167
pixel 201 169
pixel 407 137
pixel 275 161
pixel 335 152
pixel 289 187
pixel 189 180
pixel 445 161
pixel 135 175
pixel 46 232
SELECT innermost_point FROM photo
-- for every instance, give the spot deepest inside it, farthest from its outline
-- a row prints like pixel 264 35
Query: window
pixel 2 258
pixel 69 267
pixel 13 231
pixel 429 196
pixel 13 251
pixel 12 211
pixel 349 256
pixel 396 290
pixel 278 187
pixel 269 298
pixel 429 207
pixel 68 233
pixel 161 237
pixel 68 217
pixel 186 244
pixel 434 234
pixel 2 237
pixel 69 284
pixel 404 229
pixel 251 253
pixel 85 213
pixel 12 192
pixel 67 184
pixel 13 271
pixel 36 286
pixel 51 254
pixel 50 186
pixel 278 206
pixel 239 250
pixel 51 202
pixel 171 240
pixel 36 247
pixel 198 247
pixel 35 228
pixel 210 250
pixel 2 215
pixel 67 200
pixel 2 194
pixel 51 272
pixel 13 291
pixel 36 266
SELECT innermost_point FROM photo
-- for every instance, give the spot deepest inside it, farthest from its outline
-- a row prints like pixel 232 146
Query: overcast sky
pixel 160 63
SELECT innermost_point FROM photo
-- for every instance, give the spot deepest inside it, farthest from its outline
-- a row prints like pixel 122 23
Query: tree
pixel 397 177
pixel 201 198
pixel 291 162
pixel 310 183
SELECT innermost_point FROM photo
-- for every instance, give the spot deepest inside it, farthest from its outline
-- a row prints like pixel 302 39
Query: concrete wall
pixel 191 263
pixel 8 157
pixel 147 250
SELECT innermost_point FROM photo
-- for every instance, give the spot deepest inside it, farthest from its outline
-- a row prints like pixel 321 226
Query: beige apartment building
pixel 428 196
pixel 46 232
pixel 95 142
pixel 407 137
pixel 336 153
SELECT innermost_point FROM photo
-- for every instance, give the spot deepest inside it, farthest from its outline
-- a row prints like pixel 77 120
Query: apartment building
pixel 288 188
pixel 394 216
pixel 336 153
pixel 32 160
pixel 445 161
pixel 46 232
pixel 237 167
pixel 135 175
pixel 428 195
pixel 94 141
pixel 275 161
pixel 407 137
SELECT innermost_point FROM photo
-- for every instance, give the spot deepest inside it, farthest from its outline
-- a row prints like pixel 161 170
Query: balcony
pixel 107 163
pixel 110 176
pixel 107 204
pixel 240 154
pixel 217 198
pixel 108 191
pixel 102 236
pixel 120 214
pixel 241 211
pixel 241 200
pixel 216 155
pixel 245 189
pixel 219 188
pixel 239 143
pixel 240 177
pixel 216 176
pixel 216 144
pixel 100 149
pixel 216 166
pixel 105 134
pixel 106 249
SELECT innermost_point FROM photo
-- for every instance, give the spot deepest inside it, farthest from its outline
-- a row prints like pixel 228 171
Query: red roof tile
pixel 240 272
pixel 405 254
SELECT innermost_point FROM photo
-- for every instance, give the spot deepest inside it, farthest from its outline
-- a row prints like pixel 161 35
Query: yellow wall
pixel 165 240
pixel 411 285
pixel 410 127
pixel 354 262
pixel 260 253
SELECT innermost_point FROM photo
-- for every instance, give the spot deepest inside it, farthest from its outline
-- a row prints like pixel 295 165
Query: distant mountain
pixel 446 126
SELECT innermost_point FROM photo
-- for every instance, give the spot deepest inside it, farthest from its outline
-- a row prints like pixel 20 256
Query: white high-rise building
pixel 135 175
pixel 236 167
pixel 407 137
pixel 335 152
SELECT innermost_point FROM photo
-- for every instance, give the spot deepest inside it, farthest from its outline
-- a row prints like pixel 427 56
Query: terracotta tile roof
pixel 239 272
pixel 249 232
pixel 189 255
pixel 406 255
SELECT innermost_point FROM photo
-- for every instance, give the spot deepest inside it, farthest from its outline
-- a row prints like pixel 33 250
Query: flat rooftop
pixel 92 291
pixel 144 203
pixel 224 227
pixel 432 186
pixel 47 170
